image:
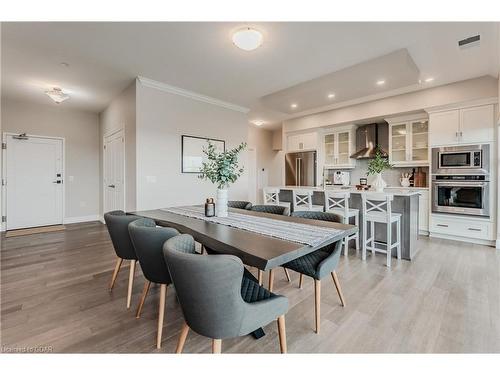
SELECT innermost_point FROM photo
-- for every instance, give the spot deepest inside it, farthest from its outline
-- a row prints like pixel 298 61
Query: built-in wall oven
pixel 461 180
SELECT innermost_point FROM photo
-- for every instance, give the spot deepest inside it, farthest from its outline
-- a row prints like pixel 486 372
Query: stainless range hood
pixel 367 139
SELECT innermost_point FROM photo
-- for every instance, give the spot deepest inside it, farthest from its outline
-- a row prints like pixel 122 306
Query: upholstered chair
pixel 148 240
pixel 117 223
pixel 239 204
pixel 216 300
pixel 269 209
pixel 319 263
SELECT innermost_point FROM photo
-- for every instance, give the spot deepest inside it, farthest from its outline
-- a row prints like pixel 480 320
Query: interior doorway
pixel 114 171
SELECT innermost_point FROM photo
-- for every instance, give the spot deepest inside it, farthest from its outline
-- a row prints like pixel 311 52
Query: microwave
pixel 473 159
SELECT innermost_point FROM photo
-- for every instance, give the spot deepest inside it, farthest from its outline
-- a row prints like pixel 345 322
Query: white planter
pixel 379 183
pixel 221 203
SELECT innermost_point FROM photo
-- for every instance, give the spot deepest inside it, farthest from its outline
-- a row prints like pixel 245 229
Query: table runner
pixel 311 235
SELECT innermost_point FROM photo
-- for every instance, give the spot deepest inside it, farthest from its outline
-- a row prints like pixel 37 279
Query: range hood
pixel 367 139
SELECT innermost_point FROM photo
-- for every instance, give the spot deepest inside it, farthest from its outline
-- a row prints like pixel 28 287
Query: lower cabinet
pixel 462 227
pixel 423 212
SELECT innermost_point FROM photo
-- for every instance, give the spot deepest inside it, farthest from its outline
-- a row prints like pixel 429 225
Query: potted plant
pixel 222 169
pixel 376 166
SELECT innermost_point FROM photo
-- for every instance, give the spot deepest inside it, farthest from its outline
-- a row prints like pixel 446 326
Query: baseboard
pixel 81 219
pixel 463 239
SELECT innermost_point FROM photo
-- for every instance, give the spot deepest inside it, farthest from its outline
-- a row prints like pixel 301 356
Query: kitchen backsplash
pixel 390 176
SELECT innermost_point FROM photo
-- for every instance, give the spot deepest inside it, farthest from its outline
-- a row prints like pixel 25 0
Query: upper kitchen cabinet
pixel 466 125
pixel 409 141
pixel 338 145
pixel 302 142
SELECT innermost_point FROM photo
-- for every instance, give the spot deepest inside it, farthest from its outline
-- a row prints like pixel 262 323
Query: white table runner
pixel 311 235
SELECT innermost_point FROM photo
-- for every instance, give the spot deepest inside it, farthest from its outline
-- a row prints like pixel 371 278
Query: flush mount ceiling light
pixel 247 39
pixel 381 82
pixel 430 79
pixel 258 122
pixel 293 105
pixel 331 96
pixel 57 95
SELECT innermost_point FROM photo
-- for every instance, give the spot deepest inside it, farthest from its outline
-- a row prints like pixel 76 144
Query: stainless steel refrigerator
pixel 300 169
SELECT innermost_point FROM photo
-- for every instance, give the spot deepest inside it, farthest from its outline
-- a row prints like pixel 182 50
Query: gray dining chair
pixel 216 300
pixel 117 223
pixel 269 209
pixel 239 204
pixel 148 240
pixel 319 263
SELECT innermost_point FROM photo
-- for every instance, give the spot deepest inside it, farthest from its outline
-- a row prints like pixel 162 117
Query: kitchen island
pixel 406 202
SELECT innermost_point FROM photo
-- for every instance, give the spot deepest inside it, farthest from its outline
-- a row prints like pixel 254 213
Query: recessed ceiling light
pixel 331 96
pixel 258 122
pixel 293 105
pixel 381 82
pixel 247 39
pixel 430 79
pixel 57 95
pixel 64 64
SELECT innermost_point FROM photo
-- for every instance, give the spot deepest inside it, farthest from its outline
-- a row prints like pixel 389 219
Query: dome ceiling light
pixel 57 95
pixel 247 39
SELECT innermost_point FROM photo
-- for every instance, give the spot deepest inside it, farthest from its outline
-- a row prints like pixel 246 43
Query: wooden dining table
pixel 257 250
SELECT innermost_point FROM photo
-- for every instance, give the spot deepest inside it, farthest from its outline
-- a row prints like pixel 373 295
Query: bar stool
pixel 374 212
pixel 272 197
pixel 302 201
pixel 337 202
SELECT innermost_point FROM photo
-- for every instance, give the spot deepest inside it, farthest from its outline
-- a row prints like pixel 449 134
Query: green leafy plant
pixel 378 164
pixel 221 168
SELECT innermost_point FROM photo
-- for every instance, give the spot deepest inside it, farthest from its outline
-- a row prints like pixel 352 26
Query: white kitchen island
pixel 406 202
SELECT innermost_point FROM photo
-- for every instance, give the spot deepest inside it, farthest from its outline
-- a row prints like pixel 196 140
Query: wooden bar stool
pixel 377 209
pixel 338 203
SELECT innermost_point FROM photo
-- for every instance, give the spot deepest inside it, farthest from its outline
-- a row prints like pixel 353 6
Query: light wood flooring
pixel 54 292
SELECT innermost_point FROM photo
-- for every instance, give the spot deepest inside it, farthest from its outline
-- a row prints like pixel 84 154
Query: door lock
pixel 111 186
pixel 57 182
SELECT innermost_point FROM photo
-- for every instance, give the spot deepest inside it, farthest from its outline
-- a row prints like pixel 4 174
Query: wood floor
pixel 54 293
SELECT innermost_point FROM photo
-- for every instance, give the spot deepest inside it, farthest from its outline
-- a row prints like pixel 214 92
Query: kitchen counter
pixel 405 202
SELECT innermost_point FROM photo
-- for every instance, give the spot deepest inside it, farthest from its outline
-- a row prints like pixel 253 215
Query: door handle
pixel 57 182
pixel 112 186
pixel 443 225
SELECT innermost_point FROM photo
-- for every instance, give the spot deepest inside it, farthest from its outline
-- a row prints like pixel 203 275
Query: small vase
pixel 379 183
pixel 221 203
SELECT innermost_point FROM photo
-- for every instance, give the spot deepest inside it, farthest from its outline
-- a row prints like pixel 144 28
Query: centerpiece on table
pixel 376 166
pixel 222 169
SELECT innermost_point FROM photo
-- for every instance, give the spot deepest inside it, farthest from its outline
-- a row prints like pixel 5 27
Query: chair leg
pixel 282 334
pixel 301 280
pixel 131 275
pixel 260 276
pixel 271 280
pixel 399 239
pixel 216 346
pixel 145 291
pixel 119 262
pixel 363 245
pixel 182 338
pixel 389 244
pixel 337 286
pixel 161 313
pixel 203 251
pixel 287 275
pixel 356 222
pixel 317 304
pixel 372 236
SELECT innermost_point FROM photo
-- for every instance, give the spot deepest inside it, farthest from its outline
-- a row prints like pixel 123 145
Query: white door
pixel 114 172
pixel 34 181
pixel 252 176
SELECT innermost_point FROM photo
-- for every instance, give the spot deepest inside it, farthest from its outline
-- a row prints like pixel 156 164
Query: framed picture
pixel 192 152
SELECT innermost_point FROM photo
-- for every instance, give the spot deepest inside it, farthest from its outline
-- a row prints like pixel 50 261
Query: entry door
pixel 114 163
pixel 34 176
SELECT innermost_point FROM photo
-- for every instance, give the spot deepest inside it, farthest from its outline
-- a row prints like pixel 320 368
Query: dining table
pixel 262 251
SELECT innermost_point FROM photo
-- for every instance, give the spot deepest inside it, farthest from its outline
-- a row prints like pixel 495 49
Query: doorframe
pixel 103 186
pixel 3 226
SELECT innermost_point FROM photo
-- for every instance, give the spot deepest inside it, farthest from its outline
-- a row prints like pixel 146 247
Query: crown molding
pixel 190 94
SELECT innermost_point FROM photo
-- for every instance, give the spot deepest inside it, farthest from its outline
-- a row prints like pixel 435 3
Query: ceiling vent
pixel 469 42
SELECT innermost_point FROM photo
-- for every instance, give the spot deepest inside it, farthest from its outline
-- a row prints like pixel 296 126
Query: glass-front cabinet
pixel 409 141
pixel 338 145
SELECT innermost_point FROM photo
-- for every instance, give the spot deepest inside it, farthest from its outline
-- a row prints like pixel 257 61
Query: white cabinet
pixel 338 146
pixel 409 141
pixel 461 228
pixel 462 125
pixel 302 142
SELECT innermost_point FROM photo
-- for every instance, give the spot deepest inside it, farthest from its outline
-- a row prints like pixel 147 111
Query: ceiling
pixel 105 57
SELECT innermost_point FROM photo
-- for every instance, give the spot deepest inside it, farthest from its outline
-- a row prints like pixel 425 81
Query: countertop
pixel 398 191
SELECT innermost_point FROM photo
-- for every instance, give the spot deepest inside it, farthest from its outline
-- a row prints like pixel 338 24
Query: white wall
pixel 121 114
pixel 81 132
pixel 162 117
